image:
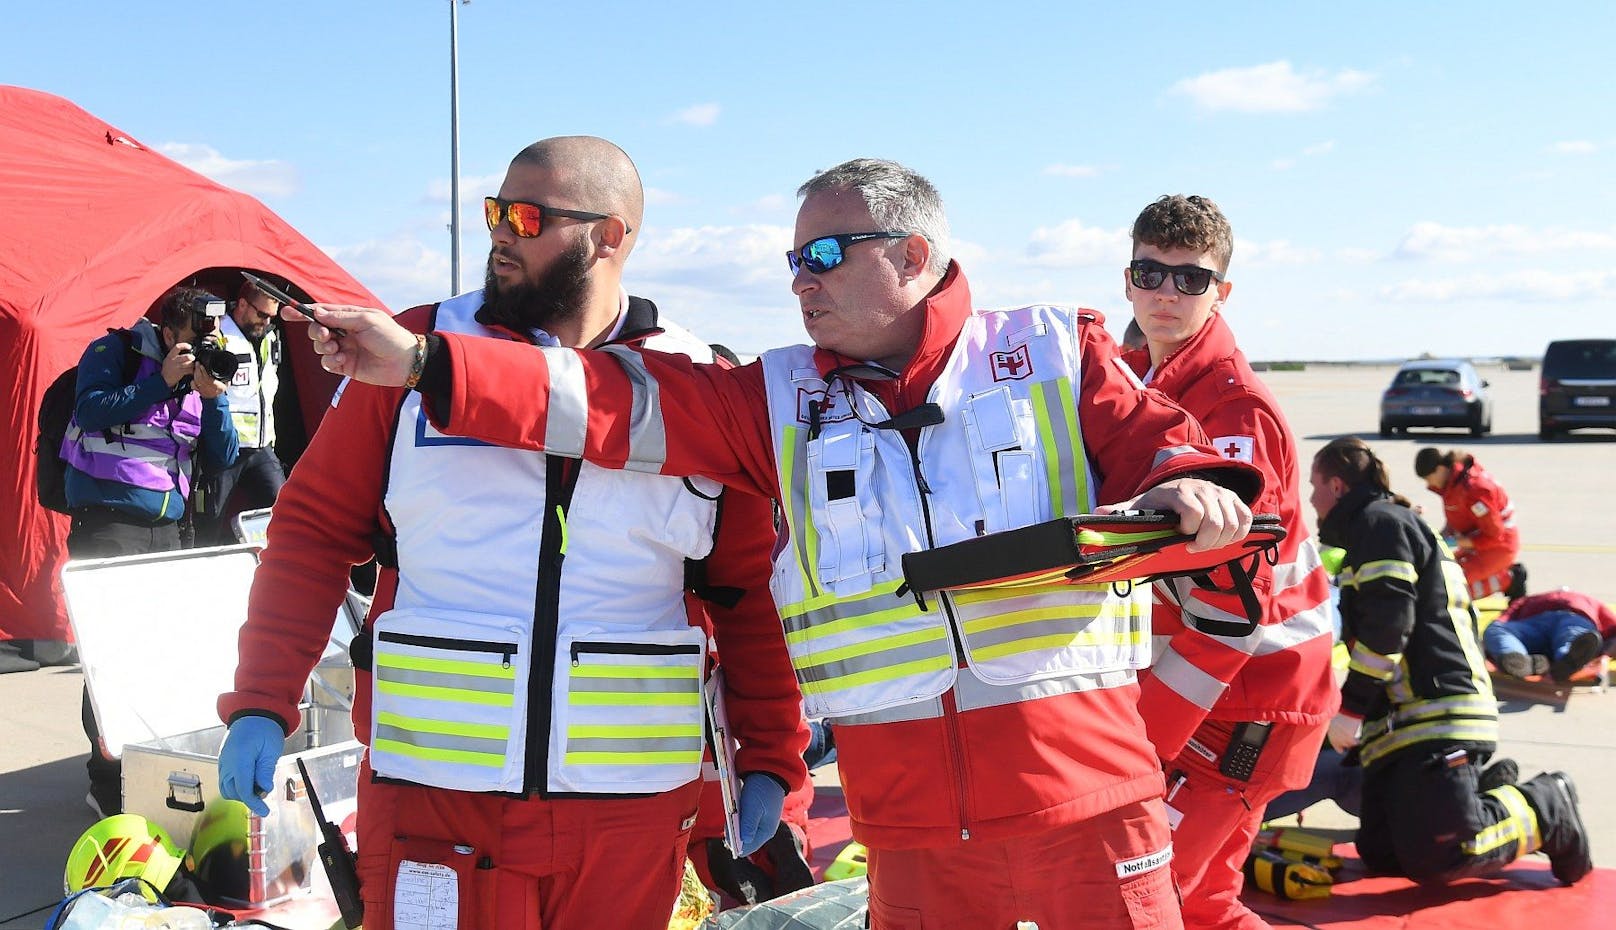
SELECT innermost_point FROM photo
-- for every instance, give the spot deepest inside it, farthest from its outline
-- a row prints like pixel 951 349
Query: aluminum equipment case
pixel 174 783
pixel 154 674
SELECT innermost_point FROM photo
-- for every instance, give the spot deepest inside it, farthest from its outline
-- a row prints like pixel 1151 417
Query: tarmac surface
pixel 1565 499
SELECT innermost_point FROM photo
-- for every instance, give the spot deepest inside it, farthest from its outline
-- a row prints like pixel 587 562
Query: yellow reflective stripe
pixel 1519 827
pixel 1098 538
pixel 798 521
pixel 1366 661
pixel 447 727
pixel 888 673
pixel 866 647
pixel 631 730
pixel 635 671
pixel 1058 612
pixel 1046 439
pixel 1057 641
pixel 561 519
pixel 846 624
pixel 496 698
pixel 633 758
pixel 821 601
pixel 448 666
pixel 656 698
pixel 1073 452
pixel 465 757
pixel 1385 568
pixel 971 598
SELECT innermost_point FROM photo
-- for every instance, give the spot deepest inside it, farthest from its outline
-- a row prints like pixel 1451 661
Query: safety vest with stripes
pixel 252 390
pixel 1008 453
pixel 538 639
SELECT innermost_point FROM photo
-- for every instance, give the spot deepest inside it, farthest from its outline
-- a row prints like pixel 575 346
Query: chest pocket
pixel 1010 484
pixel 845 514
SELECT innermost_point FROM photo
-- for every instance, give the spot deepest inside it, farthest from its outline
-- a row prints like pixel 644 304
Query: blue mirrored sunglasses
pixel 822 254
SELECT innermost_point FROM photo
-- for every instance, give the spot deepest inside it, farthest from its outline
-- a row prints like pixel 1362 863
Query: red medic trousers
pixel 1221 817
pixel 1109 871
pixel 532 864
pixel 1486 570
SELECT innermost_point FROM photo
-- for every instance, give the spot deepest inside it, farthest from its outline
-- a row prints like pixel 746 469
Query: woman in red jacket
pixel 1479 521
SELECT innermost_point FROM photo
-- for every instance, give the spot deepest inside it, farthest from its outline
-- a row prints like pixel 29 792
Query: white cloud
pixel 660 197
pixel 702 114
pixel 1437 242
pixel 1276 252
pixel 1530 285
pixel 402 270
pixel 1359 256
pixel 1283 164
pixel 258 178
pixel 1271 88
pixel 1322 148
pixel 1072 244
pixel 1576 147
pixel 472 188
pixel 1073 171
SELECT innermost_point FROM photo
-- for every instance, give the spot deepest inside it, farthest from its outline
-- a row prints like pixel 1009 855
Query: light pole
pixel 454 146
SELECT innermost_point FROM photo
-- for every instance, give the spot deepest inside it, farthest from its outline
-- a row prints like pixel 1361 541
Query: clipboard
pixel 723 748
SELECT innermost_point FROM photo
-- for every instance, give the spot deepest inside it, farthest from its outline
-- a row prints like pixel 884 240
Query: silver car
pixel 1436 392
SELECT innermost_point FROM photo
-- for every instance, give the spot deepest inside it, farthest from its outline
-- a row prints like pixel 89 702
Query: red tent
pixel 95 228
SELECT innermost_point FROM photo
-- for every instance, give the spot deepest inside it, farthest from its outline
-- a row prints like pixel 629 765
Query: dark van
pixel 1578 387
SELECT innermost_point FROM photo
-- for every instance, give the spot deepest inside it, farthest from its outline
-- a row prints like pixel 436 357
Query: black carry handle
pixel 338 859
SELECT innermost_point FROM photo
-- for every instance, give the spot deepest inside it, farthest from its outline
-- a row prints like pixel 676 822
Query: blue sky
pixel 1402 177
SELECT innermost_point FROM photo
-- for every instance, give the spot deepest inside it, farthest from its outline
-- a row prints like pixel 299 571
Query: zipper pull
pixel 505 660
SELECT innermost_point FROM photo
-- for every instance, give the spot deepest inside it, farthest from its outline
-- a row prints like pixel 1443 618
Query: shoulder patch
pixel 1479 509
pixel 1239 448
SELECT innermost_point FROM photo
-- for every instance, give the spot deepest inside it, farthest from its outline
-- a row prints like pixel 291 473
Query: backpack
pixel 55 412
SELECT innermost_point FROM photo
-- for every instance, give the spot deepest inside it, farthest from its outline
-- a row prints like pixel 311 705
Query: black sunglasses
pixel 826 252
pixel 1190 280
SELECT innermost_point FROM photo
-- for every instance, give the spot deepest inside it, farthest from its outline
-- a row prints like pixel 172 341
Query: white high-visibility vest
pixel 534 630
pixel 252 390
pixel 1009 453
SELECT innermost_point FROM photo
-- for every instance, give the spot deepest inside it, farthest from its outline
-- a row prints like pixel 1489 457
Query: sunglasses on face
pixel 527 219
pixel 826 252
pixel 1190 280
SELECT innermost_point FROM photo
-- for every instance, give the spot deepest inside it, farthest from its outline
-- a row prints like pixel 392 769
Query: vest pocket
pixel 450 699
pixel 628 715
pixel 842 505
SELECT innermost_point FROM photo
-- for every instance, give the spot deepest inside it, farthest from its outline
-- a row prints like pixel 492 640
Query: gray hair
pixel 899 199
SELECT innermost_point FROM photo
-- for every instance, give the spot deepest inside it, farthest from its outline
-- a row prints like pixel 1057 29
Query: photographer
pixel 254 480
pixel 146 404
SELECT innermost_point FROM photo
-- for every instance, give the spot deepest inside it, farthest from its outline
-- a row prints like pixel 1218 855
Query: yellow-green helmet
pixel 118 847
pixel 219 844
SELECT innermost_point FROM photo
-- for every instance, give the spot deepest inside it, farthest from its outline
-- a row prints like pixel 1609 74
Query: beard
pixel 556 297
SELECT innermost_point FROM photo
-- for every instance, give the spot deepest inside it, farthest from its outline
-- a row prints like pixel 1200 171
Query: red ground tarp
pixel 94 227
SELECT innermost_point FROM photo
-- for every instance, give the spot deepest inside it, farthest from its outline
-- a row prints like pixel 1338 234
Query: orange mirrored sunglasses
pixel 527 219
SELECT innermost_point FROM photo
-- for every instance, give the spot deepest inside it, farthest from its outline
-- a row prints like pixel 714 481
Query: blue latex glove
pixel 247 760
pixel 761 801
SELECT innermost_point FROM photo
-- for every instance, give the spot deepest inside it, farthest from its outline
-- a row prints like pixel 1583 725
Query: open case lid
pixel 157 637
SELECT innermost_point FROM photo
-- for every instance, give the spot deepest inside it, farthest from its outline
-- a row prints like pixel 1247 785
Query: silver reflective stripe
pixel 972 693
pixel 449 680
pixel 1307 625
pixel 871 655
pixel 882 605
pixel 636 744
pixel 1065 465
pixel 1079 629
pixel 1160 644
pixel 1170 453
pixel 566 422
pixel 919 710
pixel 1187 681
pixel 647 433
pixel 1371 663
pixel 635 685
pixel 1291 574
pixel 440 740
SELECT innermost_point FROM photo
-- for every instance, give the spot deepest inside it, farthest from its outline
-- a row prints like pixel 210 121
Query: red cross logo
pixel 1231 450
pixel 1011 366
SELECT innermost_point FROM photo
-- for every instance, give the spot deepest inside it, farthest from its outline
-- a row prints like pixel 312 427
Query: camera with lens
pixel 207 347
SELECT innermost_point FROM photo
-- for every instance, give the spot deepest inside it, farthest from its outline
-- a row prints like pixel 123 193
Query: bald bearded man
pixel 529 680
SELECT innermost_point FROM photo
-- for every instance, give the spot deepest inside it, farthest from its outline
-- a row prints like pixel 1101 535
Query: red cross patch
pixel 831 410
pixel 1011 366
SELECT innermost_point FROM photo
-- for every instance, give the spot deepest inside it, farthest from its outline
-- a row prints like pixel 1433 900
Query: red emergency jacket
pixel 992 773
pixel 1563 599
pixel 1282 671
pixel 332 508
pixel 1477 508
